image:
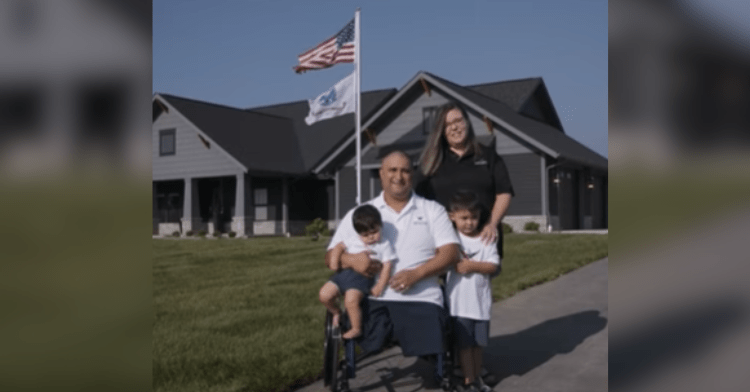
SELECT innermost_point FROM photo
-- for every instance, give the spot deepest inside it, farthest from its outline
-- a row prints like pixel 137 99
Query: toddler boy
pixel 354 286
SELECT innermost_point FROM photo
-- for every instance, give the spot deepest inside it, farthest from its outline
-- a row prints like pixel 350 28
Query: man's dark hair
pixel 366 218
pixel 465 200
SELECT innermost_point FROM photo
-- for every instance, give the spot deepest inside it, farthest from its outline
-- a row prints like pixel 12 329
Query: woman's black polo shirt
pixel 484 174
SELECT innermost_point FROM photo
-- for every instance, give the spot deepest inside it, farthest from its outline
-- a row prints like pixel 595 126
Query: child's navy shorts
pixel 471 333
pixel 349 279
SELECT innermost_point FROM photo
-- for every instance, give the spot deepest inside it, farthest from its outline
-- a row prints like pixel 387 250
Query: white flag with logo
pixel 336 101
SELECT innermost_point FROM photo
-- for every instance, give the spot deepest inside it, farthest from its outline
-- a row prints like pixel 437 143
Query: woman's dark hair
pixel 366 218
pixel 465 200
pixel 436 145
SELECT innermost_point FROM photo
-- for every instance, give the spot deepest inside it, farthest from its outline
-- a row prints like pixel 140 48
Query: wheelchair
pixel 338 355
pixel 339 359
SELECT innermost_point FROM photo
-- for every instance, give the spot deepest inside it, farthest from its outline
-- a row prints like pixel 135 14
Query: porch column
pixel 284 206
pixel 187 204
pixel 154 210
pixel 545 196
pixel 239 220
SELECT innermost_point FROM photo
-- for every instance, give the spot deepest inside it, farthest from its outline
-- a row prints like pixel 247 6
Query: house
pixel 262 170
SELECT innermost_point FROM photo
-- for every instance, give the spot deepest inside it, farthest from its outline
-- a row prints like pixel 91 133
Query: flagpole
pixel 357 110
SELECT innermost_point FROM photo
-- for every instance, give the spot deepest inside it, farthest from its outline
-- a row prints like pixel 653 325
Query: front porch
pixel 247 206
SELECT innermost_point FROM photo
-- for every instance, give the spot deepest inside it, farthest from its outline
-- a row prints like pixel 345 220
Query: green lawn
pixel 243 315
pixel 649 207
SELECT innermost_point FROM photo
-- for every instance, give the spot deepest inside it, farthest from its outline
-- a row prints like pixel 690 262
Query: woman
pixel 453 160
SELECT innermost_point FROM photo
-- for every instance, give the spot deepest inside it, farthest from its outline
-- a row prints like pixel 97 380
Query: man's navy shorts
pixel 349 279
pixel 417 326
pixel 471 333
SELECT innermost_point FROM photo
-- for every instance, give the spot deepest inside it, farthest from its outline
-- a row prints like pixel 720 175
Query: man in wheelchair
pixel 411 308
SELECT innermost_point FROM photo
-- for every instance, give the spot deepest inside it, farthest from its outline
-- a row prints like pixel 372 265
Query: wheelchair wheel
pixel 331 354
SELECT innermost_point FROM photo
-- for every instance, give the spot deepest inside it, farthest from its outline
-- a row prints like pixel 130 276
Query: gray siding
pixel 331 192
pixel 504 144
pixel 347 183
pixel 406 129
pixel 376 185
pixel 192 159
pixel 526 179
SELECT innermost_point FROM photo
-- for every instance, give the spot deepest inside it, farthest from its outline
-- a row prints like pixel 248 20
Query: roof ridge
pixel 504 81
pixel 222 106
pixel 197 101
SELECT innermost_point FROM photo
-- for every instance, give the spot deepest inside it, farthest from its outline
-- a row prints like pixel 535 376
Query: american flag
pixel 337 49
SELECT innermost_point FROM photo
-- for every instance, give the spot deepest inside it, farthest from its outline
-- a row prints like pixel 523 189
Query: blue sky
pixel 241 53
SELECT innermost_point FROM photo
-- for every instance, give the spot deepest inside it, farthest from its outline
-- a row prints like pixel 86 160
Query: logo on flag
pixel 328 99
pixel 334 102
pixel 337 49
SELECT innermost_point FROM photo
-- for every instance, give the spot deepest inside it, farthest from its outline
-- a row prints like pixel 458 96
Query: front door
pixel 216 199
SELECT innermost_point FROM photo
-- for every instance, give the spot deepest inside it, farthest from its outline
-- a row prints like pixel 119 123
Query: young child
pixel 468 288
pixel 368 225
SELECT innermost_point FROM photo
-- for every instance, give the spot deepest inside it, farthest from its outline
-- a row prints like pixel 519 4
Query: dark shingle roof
pixel 519 95
pixel 261 142
pixel 317 140
pixel 276 139
pixel 513 93
pixel 542 134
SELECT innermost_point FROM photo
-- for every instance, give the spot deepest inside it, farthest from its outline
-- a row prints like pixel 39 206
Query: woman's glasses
pixel 457 122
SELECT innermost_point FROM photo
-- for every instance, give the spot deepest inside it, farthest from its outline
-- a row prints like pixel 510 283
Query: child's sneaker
pixel 481 386
pixel 466 388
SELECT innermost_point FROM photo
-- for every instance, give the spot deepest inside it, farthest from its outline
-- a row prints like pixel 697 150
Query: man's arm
pixel 359 262
pixel 445 256
pixel 333 256
pixel 336 258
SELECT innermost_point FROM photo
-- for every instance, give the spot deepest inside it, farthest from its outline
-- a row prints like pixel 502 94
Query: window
pixel 260 199
pixel 429 114
pixel 167 142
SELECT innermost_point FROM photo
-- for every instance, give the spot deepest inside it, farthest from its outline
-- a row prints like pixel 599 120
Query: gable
pixel 256 141
pixel 539 107
pixel 535 136
pixel 406 131
pixel 192 158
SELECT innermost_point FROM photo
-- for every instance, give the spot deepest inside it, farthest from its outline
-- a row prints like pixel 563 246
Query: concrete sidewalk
pixel 552 337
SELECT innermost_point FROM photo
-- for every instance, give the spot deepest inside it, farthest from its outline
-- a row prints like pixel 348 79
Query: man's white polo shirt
pixel 416 232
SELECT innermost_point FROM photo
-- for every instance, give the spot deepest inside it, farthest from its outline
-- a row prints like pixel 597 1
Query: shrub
pixel 531 226
pixel 317 228
pixel 507 229
pixel 202 233
pixel 189 233
pixel 232 234
pixel 176 234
